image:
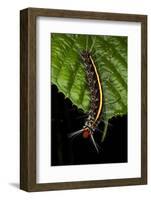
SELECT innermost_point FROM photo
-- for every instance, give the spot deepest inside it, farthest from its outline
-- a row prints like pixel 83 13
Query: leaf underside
pixel 68 74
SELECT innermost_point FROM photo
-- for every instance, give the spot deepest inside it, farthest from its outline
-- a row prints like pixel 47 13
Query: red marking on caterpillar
pixel 86 133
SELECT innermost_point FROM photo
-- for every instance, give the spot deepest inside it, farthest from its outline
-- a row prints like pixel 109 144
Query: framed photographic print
pixel 83 99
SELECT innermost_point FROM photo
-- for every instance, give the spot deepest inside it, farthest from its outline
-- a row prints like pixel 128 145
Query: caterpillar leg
pixel 95 144
pixel 105 131
pixel 93 43
pixel 74 134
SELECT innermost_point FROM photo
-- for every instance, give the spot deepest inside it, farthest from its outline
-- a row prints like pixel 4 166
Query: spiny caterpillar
pixel 94 84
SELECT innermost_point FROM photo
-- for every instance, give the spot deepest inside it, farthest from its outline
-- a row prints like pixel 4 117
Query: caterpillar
pixel 94 84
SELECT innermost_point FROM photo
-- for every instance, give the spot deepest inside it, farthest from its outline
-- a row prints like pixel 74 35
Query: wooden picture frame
pixel 28 98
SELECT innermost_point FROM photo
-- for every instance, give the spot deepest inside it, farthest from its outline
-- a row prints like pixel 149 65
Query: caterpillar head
pixel 86 133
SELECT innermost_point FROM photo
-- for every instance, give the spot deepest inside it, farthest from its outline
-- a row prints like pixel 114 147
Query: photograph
pixel 83 93
pixel 88 75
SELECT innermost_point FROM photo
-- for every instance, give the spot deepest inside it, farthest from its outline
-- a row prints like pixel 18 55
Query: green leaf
pixel 110 56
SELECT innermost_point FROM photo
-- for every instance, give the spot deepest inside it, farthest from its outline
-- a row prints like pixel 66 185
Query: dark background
pixel 66 118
